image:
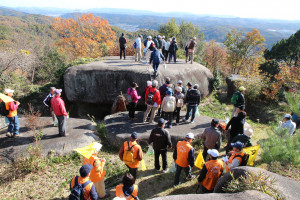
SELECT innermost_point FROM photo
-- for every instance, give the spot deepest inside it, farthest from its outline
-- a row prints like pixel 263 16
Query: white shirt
pixel 167 46
pixel 138 43
pixel 289 125
pixel 163 43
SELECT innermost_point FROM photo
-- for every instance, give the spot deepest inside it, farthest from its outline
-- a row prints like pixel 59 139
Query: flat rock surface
pixel 80 134
pixel 246 195
pixel 119 128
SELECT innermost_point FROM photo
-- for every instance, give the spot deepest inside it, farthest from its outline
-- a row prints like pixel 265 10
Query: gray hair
pixel 154 83
pixel 52 88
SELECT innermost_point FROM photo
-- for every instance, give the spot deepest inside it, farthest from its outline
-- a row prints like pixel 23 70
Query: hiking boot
pixel 192 122
pixel 191 177
pixel 8 134
pixel 157 170
pixel 165 171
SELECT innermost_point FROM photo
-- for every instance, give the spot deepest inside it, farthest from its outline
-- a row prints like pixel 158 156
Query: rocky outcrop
pixel 102 81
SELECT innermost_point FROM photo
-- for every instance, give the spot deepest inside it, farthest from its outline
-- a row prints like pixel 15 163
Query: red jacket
pixel 156 95
pixel 58 106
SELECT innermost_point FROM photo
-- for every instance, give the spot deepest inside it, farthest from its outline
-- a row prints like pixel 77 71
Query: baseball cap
pixel 163 37
pixel 190 135
pixel 168 80
pixel 196 86
pixel 194 38
pixel 57 91
pixel 134 135
pixel 287 116
pixel 215 121
pixel 169 92
pixel 213 152
pixel 161 121
pixel 242 88
pixel 141 36
pixel 189 84
pixel 85 170
pixel 7 91
pixel 149 37
pixel 238 145
pixel 180 82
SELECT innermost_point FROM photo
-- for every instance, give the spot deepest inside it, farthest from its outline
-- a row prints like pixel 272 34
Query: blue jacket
pixel 156 56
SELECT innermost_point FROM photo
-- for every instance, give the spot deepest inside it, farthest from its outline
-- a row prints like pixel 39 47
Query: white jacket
pixel 138 43
pixel 167 46
pixel 291 126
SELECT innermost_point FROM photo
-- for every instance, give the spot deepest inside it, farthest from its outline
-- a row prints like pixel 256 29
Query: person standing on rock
pixel 128 190
pixel 153 101
pixel 97 173
pixel 149 85
pixel 59 109
pixel 160 43
pixel 138 47
pixel 163 45
pixel 155 41
pixel 212 138
pixel 167 46
pixel 12 107
pixel 193 100
pixel 184 158
pixel 179 84
pixel 162 90
pixel 179 103
pixel 148 49
pixel 131 154
pixel 122 42
pixel 191 46
pixel 168 106
pixel 155 59
pixel 238 101
pixel 161 140
pixel 47 102
pixel 134 100
pixel 173 49
pixel 211 172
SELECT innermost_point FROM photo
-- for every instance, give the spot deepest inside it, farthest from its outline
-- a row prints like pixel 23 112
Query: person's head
pixel 154 83
pixel 85 170
pixel 238 146
pixel 123 34
pixel 57 92
pixel 159 37
pixel 194 38
pixel 149 38
pixel 168 81
pixel 128 180
pixel 178 89
pixel 248 132
pixel 140 36
pixel 242 114
pixel 242 89
pixel 149 83
pixel 161 123
pixel 9 92
pixel 196 86
pixel 287 117
pixel 215 123
pixel 169 92
pixel 190 137
pixel 189 84
pixel 134 85
pixel 163 37
pixel 155 36
pixel 170 39
pixel 179 83
pixel 52 90
pixel 134 136
pixel 213 154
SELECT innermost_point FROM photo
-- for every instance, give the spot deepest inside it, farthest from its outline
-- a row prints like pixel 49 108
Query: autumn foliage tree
pixel 88 36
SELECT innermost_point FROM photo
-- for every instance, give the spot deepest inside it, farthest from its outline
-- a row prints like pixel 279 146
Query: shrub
pixel 281 147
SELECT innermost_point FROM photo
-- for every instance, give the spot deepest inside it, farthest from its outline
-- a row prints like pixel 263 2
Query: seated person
pixel 236 157
pixel 128 189
pixel 288 124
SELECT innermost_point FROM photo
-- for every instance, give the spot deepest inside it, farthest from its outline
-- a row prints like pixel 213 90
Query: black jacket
pixel 173 47
pixel 193 97
pixel 244 139
pixel 240 102
pixel 163 89
pixel 159 44
pixel 161 139
pixel 237 126
pixel 122 41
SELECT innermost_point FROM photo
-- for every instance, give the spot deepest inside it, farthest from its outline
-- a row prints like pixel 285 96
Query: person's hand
pixel 18 103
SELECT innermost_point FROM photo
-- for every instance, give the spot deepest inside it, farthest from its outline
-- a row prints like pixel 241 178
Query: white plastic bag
pixel 150 150
pixel 173 168
pixel 197 112
pixel 165 66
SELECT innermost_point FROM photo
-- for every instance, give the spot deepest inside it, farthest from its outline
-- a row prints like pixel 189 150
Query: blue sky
pixel 271 9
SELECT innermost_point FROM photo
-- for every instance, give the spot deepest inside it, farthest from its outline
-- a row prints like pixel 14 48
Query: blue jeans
pixel 187 171
pixel 14 125
pixel 171 56
pixel 155 67
pixel 190 108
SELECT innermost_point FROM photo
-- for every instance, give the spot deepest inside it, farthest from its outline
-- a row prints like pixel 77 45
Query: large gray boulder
pixel 288 188
pixel 102 81
pixel 81 133
pixel 246 195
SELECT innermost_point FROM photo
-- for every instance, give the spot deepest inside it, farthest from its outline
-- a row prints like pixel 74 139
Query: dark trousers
pixel 122 50
pixel 204 190
pixel 132 171
pixel 131 108
pixel 190 108
pixel 187 171
pixel 172 55
pixel 177 114
pixel 163 154
pixel 155 67
pixel 204 153
pixel 61 125
pixel 169 117
pixel 228 146
pixel 166 53
pixel 14 125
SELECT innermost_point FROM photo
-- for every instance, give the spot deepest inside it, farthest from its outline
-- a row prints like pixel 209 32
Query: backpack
pixel 77 191
pixel 245 159
pixel 234 98
pixel 150 97
pixel 3 110
pixel 179 103
pixel 128 155
pixel 134 45
pixel 128 97
pixel 192 45
pixel 170 106
pixel 152 45
pixel 48 101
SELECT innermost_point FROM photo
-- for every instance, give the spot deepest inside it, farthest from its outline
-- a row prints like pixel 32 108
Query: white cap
pixel 213 152
pixel 149 37
pixel 149 83
pixel 178 89
pixel 97 147
pixel 287 116
pixel 248 132
pixel 194 38
pixel 190 135
pixel 180 82
pixel 7 91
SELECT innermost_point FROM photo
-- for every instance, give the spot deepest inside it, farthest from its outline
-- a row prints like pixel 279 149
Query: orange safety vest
pixel 119 192
pixel 214 171
pixel 134 150
pixel 11 113
pixel 183 149
pixel 87 189
pixel 235 156
pixel 98 172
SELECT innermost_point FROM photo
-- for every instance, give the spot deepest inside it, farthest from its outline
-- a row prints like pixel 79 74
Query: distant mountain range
pixel 213 27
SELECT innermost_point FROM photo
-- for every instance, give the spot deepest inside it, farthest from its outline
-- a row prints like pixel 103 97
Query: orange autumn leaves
pixel 88 36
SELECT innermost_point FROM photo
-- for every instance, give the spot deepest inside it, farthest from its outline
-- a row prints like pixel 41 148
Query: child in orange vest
pixel 98 172
pixel 128 190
